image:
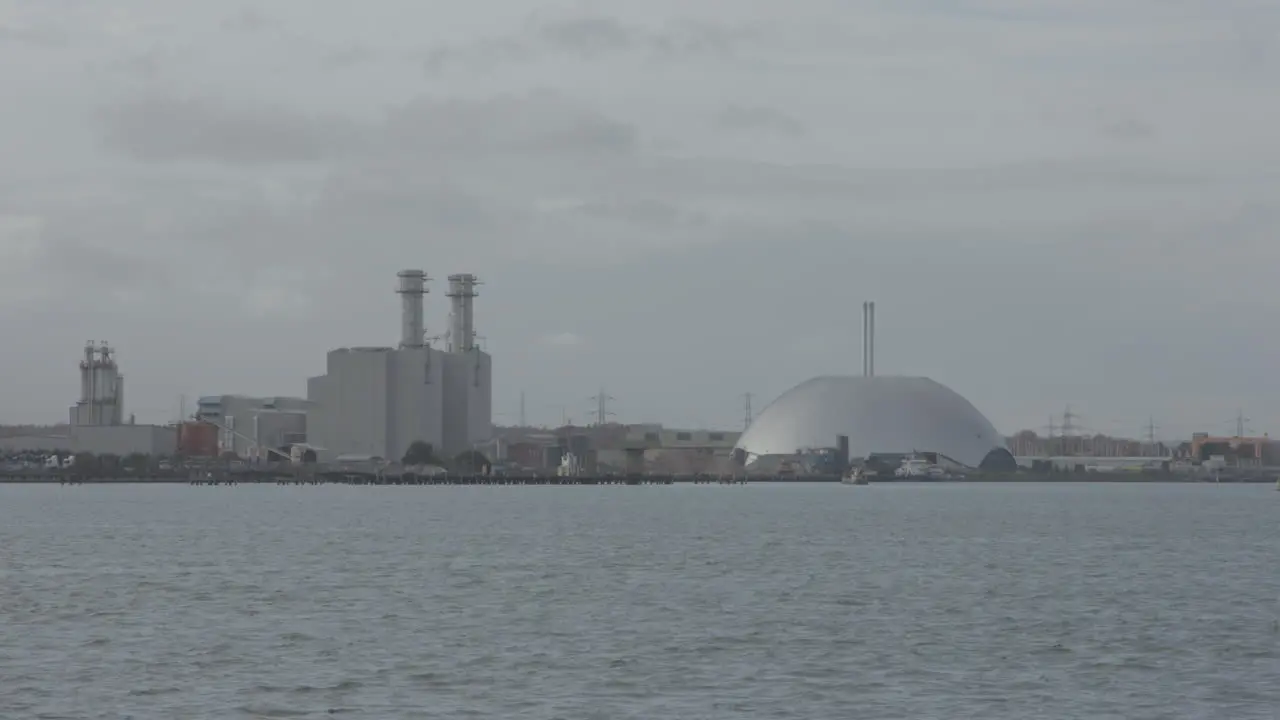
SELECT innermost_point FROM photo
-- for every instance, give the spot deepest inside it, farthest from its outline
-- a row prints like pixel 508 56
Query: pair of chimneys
pixel 462 289
pixel 869 339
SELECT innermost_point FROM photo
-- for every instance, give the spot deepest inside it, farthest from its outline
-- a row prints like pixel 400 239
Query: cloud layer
pixel 1052 204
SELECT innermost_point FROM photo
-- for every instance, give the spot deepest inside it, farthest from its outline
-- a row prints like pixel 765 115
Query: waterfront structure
pixel 377 401
pixel 251 427
pixel 618 448
pixel 880 415
pixel 657 435
pixel 1239 450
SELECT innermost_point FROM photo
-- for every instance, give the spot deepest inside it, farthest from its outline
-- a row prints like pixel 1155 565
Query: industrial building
pixel 251 427
pixel 101 388
pixel 97 419
pixel 880 415
pixel 377 401
pixel 617 448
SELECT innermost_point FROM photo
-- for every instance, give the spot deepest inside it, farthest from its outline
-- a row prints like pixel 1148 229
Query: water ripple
pixel 963 601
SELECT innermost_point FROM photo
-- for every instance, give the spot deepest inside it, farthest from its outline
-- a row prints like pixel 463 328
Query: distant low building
pixel 1235 451
pixel 619 448
pixel 249 425
pixel 1027 443
pixel 99 440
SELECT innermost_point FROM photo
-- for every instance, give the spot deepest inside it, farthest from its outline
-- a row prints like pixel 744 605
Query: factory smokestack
pixel 868 339
pixel 411 289
pixel 871 339
pixel 462 331
pixel 864 338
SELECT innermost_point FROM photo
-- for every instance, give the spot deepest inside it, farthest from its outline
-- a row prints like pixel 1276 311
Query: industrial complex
pixel 377 401
pixel 373 404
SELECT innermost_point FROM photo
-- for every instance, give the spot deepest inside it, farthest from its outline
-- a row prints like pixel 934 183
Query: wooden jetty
pixel 312 476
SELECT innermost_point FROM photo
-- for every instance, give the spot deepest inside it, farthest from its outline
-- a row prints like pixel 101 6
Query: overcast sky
pixel 1053 202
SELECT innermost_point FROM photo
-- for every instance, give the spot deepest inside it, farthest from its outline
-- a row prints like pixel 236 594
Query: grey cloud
pixel 546 179
pixel 36 36
pixel 346 57
pixel 1257 33
pixel 146 65
pixel 588 36
pixel 591 37
pixel 542 124
pixel 738 117
pixel 595 35
pixel 483 55
pixel 644 213
pixel 1129 130
pixel 249 20
pixel 689 37
pixel 170 128
pixel 537 124
pixel 94 274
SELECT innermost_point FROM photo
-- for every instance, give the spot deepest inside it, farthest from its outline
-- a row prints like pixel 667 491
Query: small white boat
pixel 855 476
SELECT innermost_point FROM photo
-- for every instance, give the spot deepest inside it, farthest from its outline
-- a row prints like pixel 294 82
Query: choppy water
pixel 912 601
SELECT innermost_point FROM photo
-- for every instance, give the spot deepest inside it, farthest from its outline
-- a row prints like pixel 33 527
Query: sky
pixel 1053 203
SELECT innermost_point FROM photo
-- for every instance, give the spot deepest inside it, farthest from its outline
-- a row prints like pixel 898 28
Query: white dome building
pixel 881 414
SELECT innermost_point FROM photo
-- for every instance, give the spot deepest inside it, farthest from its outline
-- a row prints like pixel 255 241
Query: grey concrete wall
pixel 468 400
pixel 320 423
pixel 455 404
pixel 271 427
pixel 377 402
pixel 124 439
pixel 237 413
pixel 480 400
pixel 416 400
pixel 355 404
pixel 35 443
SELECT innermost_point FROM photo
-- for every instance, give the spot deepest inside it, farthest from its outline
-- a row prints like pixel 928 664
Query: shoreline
pixel 334 478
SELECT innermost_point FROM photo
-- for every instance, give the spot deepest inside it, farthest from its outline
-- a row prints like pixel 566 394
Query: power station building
pixel 377 401
pixel 879 415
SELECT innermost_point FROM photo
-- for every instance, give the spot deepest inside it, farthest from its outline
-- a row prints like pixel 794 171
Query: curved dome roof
pixel 880 414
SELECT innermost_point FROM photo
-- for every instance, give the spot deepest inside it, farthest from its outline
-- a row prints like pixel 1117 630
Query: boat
pixel 917 467
pixel 913 467
pixel 855 476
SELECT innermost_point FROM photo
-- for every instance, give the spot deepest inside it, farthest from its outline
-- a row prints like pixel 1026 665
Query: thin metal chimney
pixel 871 343
pixel 411 289
pixel 462 332
pixel 864 338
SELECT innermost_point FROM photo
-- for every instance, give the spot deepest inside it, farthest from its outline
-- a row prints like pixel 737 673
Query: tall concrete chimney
pixel 462 331
pixel 411 289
